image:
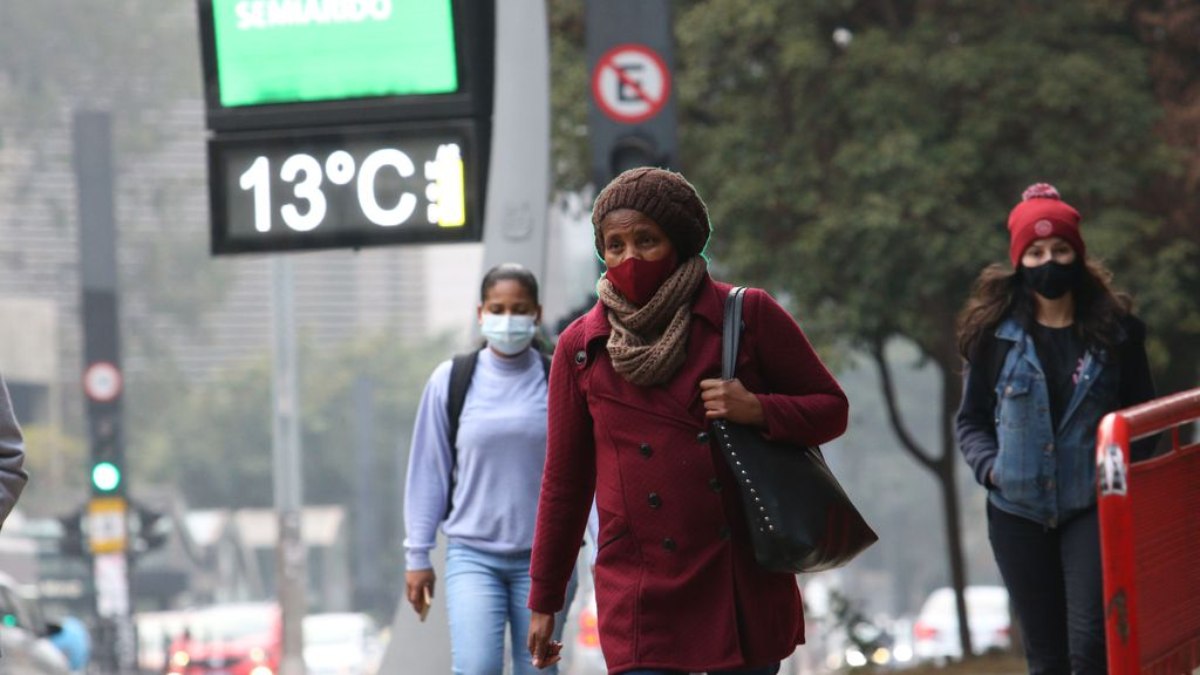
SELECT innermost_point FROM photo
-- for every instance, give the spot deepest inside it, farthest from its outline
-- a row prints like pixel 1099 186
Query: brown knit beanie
pixel 666 198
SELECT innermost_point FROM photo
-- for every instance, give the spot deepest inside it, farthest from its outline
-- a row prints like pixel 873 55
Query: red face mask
pixel 638 279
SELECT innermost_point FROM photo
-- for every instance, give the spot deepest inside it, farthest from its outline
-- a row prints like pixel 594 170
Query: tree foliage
pixel 214 440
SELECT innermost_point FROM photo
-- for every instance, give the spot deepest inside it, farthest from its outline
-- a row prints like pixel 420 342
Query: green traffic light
pixel 106 476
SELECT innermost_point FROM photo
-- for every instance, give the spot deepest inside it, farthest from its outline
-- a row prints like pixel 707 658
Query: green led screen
pixel 288 51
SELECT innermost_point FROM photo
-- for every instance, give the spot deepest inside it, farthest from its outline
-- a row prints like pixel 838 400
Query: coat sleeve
pixel 568 481
pixel 1136 385
pixel 975 423
pixel 804 404
pixel 12 455
pixel 430 463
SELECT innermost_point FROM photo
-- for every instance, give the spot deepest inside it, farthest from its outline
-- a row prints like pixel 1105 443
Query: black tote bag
pixel 799 516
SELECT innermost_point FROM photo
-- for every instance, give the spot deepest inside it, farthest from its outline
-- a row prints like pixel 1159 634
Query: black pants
pixel 1054 580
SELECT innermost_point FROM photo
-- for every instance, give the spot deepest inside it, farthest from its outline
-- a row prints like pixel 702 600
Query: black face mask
pixel 1053 280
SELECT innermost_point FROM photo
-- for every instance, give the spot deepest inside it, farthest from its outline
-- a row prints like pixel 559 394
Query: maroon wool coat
pixel 677 586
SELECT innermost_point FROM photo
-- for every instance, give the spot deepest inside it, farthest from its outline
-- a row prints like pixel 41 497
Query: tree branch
pixel 889 396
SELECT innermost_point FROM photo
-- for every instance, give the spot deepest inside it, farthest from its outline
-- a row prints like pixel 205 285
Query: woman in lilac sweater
pixel 482 487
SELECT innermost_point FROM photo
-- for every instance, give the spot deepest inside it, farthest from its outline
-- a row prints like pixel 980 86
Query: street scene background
pixel 858 158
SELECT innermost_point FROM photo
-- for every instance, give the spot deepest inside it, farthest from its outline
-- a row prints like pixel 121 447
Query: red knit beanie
pixel 1042 213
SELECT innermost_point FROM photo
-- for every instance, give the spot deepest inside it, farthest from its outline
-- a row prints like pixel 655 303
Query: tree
pixel 861 157
pixel 1170 277
pixel 214 440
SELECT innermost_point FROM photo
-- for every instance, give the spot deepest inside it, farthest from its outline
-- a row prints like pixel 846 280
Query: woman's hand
pixel 417 581
pixel 545 652
pixel 728 399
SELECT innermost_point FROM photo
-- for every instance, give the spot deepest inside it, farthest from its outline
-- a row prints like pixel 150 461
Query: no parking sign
pixel 631 83
pixel 102 382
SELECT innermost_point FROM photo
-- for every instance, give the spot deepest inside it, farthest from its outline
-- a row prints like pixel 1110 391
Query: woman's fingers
pixel 542 649
pixel 419 585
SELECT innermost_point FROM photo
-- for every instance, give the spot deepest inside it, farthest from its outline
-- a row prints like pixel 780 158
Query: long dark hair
pixel 509 272
pixel 1000 292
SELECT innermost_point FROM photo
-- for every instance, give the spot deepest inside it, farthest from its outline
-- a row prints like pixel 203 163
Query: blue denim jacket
pixel 1039 472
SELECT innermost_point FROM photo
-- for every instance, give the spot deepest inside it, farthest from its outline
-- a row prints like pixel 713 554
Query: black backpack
pixel 462 369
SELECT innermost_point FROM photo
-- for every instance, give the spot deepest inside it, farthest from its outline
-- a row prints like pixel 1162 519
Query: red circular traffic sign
pixel 631 83
pixel 102 382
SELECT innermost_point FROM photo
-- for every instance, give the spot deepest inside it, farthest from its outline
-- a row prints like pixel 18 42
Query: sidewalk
pixel 980 665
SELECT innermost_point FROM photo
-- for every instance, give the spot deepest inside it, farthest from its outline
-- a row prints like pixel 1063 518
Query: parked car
pixel 342 643
pixel 234 639
pixel 25 635
pixel 935 633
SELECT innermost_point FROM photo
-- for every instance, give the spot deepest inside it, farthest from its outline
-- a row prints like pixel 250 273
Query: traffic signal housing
pixel 107 461
pixel 632 111
pixel 153 529
pixel 72 542
pixel 633 150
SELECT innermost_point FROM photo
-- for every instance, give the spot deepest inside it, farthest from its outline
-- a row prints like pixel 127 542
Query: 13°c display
pixel 345 187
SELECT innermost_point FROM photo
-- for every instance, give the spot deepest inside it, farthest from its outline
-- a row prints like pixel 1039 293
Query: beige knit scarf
pixel 649 343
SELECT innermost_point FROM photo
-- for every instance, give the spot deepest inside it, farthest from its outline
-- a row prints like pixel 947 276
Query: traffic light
pixel 631 116
pixel 72 542
pixel 153 529
pixel 107 469
pixel 634 150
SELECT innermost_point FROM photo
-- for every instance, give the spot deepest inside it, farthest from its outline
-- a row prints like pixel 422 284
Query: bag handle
pixel 731 332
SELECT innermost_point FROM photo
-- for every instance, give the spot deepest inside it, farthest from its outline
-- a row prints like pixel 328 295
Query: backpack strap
pixel 462 370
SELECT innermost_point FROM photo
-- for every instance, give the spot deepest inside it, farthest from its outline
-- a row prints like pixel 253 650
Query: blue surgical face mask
pixel 509 334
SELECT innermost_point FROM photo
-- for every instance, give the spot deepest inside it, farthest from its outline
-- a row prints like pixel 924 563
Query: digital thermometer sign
pixel 346 123
pixel 344 187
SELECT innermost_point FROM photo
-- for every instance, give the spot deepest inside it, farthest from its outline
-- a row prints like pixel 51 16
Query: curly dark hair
pixel 1000 292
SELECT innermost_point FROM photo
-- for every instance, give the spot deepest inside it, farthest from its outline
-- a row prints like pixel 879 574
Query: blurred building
pixel 216 312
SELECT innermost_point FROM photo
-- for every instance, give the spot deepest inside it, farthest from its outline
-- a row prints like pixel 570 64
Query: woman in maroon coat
pixel 633 387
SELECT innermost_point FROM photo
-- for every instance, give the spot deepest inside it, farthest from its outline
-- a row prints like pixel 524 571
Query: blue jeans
pixel 765 670
pixel 485 591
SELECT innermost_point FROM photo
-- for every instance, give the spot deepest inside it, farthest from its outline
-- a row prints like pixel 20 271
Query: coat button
pixel 580 357
pixel 702 437
pixel 655 500
pixel 724 533
pixel 645 449
pixel 714 485
pixel 669 544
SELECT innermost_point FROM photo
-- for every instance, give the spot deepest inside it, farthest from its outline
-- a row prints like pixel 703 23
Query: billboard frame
pixel 474 38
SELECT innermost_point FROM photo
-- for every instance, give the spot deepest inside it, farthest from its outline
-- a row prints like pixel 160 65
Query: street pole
pixel 514 230
pixel 518 192
pixel 290 553
pixel 368 590
pixel 108 527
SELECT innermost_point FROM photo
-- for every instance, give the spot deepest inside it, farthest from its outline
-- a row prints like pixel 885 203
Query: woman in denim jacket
pixel 1050 350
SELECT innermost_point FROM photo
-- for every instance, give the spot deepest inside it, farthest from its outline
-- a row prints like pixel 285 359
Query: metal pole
pixel 368 591
pixel 290 554
pixel 518 193
pixel 107 511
